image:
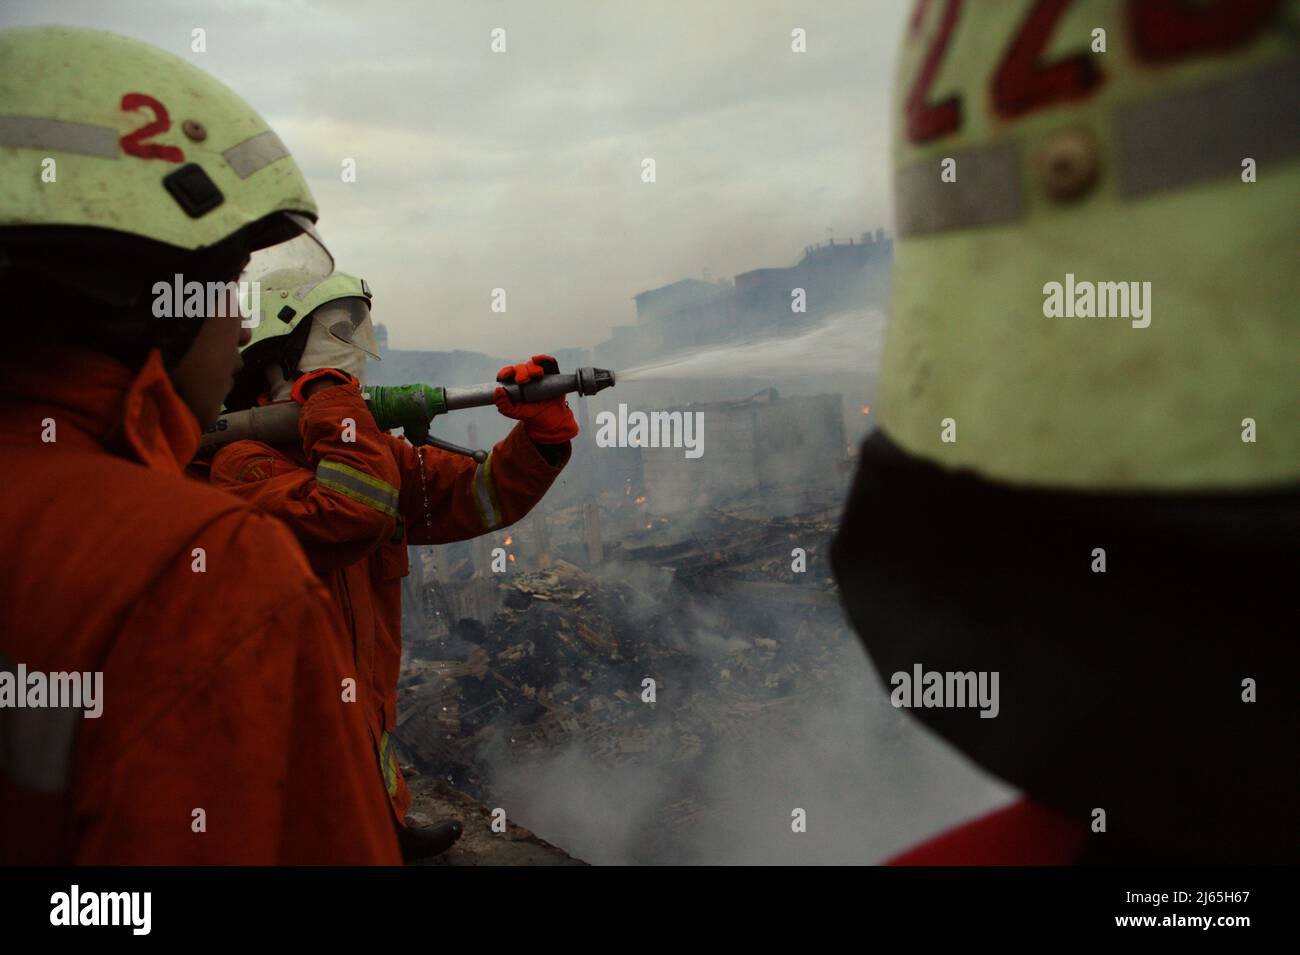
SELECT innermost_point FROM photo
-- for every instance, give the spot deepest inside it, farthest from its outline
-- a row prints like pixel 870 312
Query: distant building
pixel 833 277
pixel 689 313
pixel 663 302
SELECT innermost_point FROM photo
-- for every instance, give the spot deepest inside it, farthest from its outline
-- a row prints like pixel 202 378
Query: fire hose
pixel 277 424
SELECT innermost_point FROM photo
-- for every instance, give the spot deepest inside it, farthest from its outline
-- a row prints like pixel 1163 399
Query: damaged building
pixel 776 453
pixel 692 313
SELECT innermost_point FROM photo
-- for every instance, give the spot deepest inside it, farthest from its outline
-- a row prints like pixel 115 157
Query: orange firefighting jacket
pixel 356 497
pixel 222 736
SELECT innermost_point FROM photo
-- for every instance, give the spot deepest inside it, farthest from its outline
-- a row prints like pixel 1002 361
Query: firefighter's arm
pixel 345 502
pixel 448 497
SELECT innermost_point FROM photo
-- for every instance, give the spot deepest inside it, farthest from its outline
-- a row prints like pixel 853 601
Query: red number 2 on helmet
pixel 1160 31
pixel 133 144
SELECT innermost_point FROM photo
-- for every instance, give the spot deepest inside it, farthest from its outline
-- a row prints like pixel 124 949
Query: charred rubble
pixel 653 624
pixel 734 640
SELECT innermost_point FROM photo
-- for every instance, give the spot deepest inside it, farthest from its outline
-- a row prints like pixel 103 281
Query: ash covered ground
pixel 528 690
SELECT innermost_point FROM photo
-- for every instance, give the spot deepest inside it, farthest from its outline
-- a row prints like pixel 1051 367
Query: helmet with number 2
pixel 1060 161
pixel 137 143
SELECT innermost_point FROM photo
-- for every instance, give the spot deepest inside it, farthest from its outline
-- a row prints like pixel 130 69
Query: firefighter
pixel 355 496
pixel 1087 470
pixel 221 735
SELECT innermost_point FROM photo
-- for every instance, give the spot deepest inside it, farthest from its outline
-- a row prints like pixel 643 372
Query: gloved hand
pixel 545 422
pixel 410 407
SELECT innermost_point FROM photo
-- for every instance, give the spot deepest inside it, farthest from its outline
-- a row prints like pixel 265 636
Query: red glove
pixel 545 422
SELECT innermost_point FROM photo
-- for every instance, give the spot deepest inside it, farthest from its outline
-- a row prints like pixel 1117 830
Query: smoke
pixel 846 343
pixel 715 770
pixel 869 780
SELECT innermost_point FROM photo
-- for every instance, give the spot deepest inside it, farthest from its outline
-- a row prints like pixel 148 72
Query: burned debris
pixel 671 650
pixel 480 843
pixel 633 639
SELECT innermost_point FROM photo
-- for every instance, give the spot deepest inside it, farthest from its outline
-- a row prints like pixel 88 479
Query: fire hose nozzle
pixel 592 380
pixel 584 381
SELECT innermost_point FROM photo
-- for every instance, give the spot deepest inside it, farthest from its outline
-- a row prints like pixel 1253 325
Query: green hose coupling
pixel 410 407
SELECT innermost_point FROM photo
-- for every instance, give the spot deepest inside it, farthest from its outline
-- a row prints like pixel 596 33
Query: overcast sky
pixel 523 169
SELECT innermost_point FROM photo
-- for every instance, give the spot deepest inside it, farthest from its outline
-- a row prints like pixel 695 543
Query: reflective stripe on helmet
pixel 120 119
pixel 255 153
pixel 1045 159
pixel 34 132
pixel 990 191
pixel 1170 142
pixel 1195 135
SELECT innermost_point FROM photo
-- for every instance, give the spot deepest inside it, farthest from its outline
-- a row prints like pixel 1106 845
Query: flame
pixel 640 500
pixel 866 411
pixel 508 540
pixel 511 556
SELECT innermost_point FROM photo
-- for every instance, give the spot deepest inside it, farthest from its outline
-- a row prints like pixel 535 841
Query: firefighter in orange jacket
pixel 161 700
pixel 356 496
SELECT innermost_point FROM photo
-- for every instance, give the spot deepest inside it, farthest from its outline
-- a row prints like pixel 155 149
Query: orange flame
pixel 508 540
pixel 511 556
pixel 866 411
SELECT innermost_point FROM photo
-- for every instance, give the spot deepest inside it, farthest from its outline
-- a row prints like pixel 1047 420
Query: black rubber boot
pixel 424 842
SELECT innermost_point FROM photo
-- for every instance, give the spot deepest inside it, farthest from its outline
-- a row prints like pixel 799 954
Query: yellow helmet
pixel 1039 418
pixel 1057 163
pixel 117 158
pixel 287 297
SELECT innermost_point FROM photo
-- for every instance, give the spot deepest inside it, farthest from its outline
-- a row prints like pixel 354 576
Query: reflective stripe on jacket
pixel 355 497
pixel 222 738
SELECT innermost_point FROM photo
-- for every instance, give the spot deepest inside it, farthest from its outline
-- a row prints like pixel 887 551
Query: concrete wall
pixel 768 449
pixel 674 483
